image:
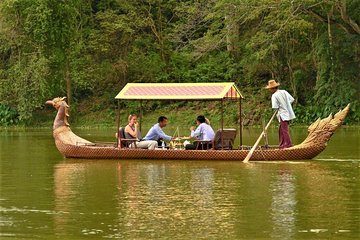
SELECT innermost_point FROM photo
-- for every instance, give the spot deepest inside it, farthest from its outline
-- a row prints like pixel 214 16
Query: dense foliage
pixel 92 48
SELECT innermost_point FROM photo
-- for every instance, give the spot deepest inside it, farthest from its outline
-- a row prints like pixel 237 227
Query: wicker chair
pixel 124 142
pixel 229 136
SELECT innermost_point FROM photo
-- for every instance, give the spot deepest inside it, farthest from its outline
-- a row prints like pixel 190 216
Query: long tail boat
pixel 72 146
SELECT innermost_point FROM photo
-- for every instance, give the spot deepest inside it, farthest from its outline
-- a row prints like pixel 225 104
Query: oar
pixel 265 135
pixel 258 140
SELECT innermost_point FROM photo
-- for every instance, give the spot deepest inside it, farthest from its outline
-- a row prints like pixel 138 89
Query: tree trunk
pixel 157 30
pixel 341 5
pixel 161 37
pixel 329 15
pixel 232 35
pixel 68 80
pixel 292 80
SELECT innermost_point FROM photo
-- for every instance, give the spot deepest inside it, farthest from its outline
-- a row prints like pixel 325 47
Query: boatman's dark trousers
pixel 284 136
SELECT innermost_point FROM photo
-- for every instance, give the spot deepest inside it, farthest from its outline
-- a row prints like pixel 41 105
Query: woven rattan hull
pixel 110 152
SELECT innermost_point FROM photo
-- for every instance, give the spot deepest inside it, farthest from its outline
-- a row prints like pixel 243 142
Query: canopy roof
pixel 179 91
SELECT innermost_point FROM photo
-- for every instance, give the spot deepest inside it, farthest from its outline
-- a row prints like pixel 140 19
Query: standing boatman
pixel 281 100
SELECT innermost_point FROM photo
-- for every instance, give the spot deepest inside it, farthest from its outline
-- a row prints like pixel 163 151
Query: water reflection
pixel 149 197
pixel 152 199
pixel 283 204
pixel 68 179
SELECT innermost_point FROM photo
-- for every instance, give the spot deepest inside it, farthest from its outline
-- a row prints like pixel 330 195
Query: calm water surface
pixel 43 196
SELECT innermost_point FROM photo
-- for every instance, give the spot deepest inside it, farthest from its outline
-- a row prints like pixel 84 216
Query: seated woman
pixel 203 132
pixel 132 132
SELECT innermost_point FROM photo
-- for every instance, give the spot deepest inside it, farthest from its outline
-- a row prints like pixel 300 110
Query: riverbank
pixel 101 115
pixel 101 112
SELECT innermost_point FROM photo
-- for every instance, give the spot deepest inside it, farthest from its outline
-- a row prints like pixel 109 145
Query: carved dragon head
pixel 322 129
pixel 57 103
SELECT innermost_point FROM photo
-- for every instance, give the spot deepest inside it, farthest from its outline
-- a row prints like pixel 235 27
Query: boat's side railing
pixel 269 146
pixel 98 144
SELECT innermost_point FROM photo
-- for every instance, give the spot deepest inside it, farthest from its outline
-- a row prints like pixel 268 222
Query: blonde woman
pixel 132 132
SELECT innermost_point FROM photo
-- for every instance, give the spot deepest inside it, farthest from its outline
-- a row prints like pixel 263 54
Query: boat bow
pixel 320 132
pixel 61 127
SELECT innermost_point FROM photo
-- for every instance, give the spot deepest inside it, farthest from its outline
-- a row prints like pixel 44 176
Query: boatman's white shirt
pixel 282 100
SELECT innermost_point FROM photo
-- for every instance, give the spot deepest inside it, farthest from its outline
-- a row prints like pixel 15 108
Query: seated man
pixel 132 132
pixel 203 132
pixel 156 133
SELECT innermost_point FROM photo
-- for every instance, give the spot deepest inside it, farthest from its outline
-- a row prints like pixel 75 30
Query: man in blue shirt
pixel 156 133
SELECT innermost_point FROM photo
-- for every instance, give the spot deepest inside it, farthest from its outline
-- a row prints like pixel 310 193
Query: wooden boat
pixel 72 146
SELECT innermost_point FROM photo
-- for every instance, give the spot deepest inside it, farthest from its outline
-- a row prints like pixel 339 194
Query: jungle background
pixel 88 50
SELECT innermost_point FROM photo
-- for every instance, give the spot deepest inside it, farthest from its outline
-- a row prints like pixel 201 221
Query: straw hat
pixel 272 84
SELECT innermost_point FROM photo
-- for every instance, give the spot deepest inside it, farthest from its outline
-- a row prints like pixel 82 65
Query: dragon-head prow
pixel 56 102
pixel 60 104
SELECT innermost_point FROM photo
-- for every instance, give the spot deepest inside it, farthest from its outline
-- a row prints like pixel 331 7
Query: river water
pixel 44 196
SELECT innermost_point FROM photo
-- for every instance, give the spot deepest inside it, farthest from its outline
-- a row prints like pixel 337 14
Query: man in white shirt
pixel 203 132
pixel 281 100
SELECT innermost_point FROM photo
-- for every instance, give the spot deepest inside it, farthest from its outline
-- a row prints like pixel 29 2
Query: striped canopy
pixel 179 91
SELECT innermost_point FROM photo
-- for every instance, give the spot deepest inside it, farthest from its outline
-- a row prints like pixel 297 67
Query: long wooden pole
pixel 240 123
pixel 118 123
pixel 141 114
pixel 265 135
pixel 118 116
pixel 258 140
pixel 222 124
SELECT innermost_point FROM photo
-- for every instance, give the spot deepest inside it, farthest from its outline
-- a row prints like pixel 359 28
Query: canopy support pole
pixel 118 123
pixel 240 123
pixel 118 115
pixel 222 124
pixel 141 114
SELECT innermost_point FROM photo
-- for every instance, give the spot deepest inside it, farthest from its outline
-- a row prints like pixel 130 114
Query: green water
pixel 44 196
